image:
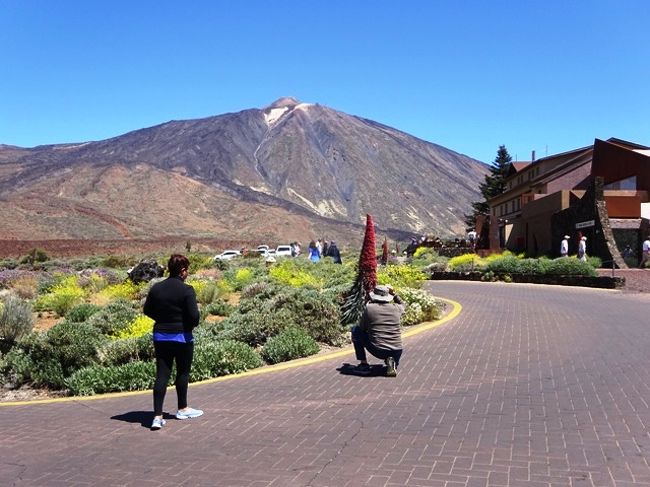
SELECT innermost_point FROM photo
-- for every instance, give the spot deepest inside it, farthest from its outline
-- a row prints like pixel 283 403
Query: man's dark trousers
pixel 361 342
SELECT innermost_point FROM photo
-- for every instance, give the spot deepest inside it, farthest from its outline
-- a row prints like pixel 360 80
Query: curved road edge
pixel 456 308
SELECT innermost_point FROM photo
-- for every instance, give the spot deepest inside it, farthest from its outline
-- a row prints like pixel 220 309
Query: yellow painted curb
pixel 415 330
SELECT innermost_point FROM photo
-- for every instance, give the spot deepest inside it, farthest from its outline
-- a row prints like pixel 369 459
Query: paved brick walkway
pixel 636 280
pixel 528 386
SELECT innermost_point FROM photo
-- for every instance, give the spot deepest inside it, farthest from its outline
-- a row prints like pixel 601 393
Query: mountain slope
pixel 298 164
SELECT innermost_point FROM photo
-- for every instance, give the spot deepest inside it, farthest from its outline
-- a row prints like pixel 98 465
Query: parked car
pixel 283 251
pixel 263 252
pixel 227 255
pixel 262 247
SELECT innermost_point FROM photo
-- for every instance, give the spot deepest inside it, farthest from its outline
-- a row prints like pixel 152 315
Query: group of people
pixel 582 247
pixel 320 248
pixel 627 251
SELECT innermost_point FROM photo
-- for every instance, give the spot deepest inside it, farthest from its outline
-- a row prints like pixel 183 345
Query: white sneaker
pixel 158 423
pixel 189 413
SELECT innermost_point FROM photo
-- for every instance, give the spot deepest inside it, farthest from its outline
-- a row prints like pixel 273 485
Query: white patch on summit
pixel 274 115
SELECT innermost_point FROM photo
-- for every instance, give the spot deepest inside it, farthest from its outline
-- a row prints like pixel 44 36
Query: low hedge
pixel 98 379
pixel 292 343
pixel 216 358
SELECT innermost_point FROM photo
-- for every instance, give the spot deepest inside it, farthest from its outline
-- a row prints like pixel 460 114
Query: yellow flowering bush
pixel 465 263
pixel 125 290
pixel 62 297
pixel 138 327
pixel 288 273
pixel 206 291
pixel 399 276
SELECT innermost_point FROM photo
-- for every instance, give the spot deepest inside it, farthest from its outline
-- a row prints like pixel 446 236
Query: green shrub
pixel 595 262
pixel 82 312
pixel 220 308
pixel 198 262
pixel 133 376
pixel 33 361
pixel 133 349
pixel 254 289
pixel 114 318
pixel 508 264
pixel 74 345
pixel 292 343
pixel 33 256
pixel 313 312
pixel 255 327
pixel 119 261
pixel 216 358
pixel 273 309
pixel 569 266
pixel 16 319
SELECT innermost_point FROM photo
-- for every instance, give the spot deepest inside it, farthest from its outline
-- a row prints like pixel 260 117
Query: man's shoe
pixel 364 368
pixel 391 368
pixel 158 423
pixel 189 413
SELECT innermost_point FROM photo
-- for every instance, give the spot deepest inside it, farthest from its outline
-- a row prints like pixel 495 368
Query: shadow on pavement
pixel 375 370
pixel 142 417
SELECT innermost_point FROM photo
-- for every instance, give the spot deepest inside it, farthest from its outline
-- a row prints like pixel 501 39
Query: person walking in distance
pixel 334 253
pixel 172 305
pixel 645 252
pixel 582 249
pixel 564 246
pixel 379 331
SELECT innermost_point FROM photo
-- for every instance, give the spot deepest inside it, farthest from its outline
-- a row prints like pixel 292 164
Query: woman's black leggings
pixel 166 353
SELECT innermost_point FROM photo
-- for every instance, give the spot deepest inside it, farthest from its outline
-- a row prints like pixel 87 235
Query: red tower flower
pixel 366 279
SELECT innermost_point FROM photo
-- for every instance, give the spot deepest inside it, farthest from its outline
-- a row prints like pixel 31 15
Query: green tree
pixel 493 185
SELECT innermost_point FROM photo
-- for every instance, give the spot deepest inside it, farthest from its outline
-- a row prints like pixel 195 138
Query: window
pixel 627 183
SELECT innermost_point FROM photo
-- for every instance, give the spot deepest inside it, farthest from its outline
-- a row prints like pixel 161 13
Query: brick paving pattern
pixel 528 386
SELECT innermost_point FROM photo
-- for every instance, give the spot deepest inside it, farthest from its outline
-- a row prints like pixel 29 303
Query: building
pixel 600 191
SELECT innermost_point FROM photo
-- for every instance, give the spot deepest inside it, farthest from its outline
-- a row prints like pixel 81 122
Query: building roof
pixel 627 144
pixel 518 166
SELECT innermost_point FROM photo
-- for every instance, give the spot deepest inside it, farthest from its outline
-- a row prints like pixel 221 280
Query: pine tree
pixel 493 185
pixel 366 279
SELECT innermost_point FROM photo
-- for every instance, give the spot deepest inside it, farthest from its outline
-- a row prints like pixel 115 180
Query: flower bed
pixel 602 282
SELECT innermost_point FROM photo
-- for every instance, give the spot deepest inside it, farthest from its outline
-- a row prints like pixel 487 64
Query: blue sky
pixel 547 76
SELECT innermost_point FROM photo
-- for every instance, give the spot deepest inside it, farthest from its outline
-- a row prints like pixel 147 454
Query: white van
pixel 283 251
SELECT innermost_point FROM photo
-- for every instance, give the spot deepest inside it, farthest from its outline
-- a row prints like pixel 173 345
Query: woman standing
pixel 314 253
pixel 172 305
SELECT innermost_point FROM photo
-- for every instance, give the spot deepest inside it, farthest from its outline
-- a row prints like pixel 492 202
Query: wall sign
pixel 587 224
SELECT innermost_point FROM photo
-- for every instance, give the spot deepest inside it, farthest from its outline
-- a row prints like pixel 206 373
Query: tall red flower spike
pixel 366 279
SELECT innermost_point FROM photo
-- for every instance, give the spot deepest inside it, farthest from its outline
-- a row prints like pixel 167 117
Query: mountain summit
pixel 291 168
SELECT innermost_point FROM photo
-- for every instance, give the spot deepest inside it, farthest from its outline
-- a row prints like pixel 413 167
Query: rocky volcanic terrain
pixel 289 171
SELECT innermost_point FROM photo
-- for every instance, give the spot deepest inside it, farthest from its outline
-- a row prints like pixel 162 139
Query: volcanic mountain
pixel 291 170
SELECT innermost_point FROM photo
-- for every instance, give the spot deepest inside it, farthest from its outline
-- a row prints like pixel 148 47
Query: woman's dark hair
pixel 176 263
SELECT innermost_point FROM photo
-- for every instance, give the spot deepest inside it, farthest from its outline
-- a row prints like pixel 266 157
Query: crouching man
pixel 379 330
